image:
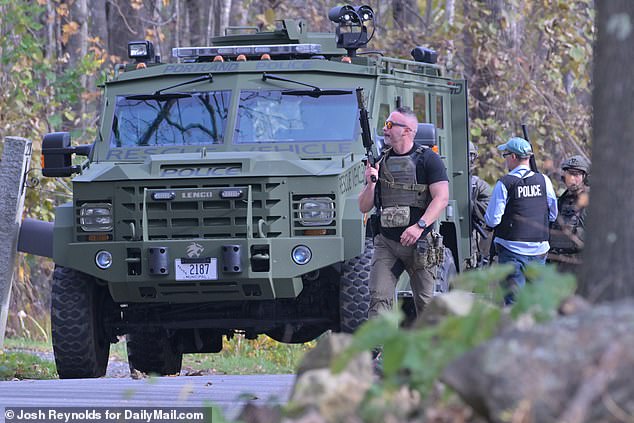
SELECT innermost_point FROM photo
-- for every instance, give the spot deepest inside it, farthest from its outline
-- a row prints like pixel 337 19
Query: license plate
pixel 203 269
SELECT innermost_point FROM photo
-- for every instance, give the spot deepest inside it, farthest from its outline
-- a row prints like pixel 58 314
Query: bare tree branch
pixel 125 21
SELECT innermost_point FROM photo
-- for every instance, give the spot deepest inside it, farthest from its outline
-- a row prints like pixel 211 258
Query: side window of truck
pixel 420 107
pixel 384 112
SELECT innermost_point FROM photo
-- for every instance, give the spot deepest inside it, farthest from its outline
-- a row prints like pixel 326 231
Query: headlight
pixel 317 211
pixel 301 254
pixel 103 259
pixel 95 217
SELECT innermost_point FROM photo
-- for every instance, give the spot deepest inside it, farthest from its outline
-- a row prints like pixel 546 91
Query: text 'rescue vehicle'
pixel 221 194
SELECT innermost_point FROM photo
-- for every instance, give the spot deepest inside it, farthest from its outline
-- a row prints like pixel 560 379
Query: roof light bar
pixel 257 50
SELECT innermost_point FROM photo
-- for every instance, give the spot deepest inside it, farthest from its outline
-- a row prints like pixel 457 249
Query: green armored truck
pixel 220 195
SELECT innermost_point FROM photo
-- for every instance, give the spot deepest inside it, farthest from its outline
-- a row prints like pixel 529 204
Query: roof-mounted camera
pixel 425 55
pixel 352 32
pixel 142 52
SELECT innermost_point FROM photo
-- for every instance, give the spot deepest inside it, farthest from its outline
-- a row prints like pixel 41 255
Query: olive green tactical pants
pixel 385 273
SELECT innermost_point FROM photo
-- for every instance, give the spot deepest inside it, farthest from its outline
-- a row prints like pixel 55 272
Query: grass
pixel 20 365
pixel 238 357
pixel 259 356
pixel 28 344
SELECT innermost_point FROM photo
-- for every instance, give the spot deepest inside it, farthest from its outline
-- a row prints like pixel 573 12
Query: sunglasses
pixel 506 154
pixel 389 124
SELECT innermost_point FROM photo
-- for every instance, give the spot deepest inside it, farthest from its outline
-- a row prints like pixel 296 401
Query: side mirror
pixel 57 155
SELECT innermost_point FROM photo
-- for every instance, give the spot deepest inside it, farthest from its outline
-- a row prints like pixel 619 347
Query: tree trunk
pixel 212 20
pixel 99 29
pixel 405 12
pixel 429 8
pixel 51 20
pixel 82 6
pixel 226 10
pixel 99 22
pixel 450 14
pixel 608 267
pixel 239 13
pixel 123 26
pixel 177 26
pixel 50 31
pixel 157 18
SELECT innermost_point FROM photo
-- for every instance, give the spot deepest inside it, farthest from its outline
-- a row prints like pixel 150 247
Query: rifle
pixel 479 229
pixel 364 121
pixel 531 161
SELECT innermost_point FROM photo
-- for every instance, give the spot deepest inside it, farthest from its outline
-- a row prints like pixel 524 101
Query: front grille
pixel 197 288
pixel 200 218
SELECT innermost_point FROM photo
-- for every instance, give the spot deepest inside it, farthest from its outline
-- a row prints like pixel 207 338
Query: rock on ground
pixel 576 368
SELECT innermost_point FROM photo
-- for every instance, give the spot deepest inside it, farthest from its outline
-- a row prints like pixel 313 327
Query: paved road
pixel 227 392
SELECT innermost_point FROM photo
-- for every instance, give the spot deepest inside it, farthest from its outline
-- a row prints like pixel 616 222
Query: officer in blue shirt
pixel 522 206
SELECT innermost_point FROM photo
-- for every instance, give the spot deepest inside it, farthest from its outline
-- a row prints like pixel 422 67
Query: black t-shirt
pixel 429 169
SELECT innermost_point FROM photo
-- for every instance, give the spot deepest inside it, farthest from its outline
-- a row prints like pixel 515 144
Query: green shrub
pixel 17 365
pixel 416 357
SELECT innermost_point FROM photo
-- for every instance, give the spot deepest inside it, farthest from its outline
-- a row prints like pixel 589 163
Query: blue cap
pixel 517 145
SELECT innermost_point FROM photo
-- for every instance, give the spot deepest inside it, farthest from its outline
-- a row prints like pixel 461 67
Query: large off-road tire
pixel 354 290
pixel 153 351
pixel 78 311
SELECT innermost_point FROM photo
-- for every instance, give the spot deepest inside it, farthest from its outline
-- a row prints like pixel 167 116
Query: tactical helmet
pixel 577 163
pixel 473 153
pixel 473 149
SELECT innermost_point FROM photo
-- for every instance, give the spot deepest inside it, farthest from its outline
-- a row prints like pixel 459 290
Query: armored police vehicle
pixel 220 195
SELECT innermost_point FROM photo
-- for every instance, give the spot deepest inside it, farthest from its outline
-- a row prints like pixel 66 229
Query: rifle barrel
pixel 531 162
pixel 364 122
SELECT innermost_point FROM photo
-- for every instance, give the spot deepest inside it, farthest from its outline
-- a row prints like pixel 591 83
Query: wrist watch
pixel 422 224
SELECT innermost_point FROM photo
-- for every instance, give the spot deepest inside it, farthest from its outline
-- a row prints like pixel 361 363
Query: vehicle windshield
pixel 269 116
pixel 194 118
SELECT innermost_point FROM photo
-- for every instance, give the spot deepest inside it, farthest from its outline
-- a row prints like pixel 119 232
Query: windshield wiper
pixel 158 97
pixel 208 77
pixel 315 92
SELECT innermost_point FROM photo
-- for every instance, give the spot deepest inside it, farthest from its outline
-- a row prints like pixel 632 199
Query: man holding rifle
pixel 521 207
pixel 410 189
pixel 480 197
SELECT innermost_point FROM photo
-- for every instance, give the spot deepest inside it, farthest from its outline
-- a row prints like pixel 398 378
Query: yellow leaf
pixel 269 16
pixel 137 4
pixel 71 27
pixel 68 30
pixel 62 10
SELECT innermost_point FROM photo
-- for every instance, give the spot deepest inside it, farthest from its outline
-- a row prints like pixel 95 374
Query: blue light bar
pixel 257 50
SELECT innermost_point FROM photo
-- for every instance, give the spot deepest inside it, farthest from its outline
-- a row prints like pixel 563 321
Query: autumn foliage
pixel 525 62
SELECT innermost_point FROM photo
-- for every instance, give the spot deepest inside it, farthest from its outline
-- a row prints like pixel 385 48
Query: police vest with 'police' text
pixel 526 214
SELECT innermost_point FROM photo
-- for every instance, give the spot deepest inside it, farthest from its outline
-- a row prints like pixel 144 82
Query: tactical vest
pixel 399 185
pixel 526 214
pixel 569 224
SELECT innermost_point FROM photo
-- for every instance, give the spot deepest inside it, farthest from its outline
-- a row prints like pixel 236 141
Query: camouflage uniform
pixel 480 196
pixel 567 233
